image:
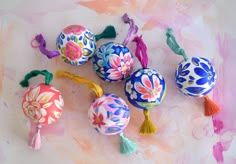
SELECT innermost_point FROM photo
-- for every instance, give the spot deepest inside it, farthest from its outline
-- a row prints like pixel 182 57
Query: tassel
pixel 42 47
pixel 36 139
pixel 210 106
pixel 148 126
pixel 127 146
pixel 109 32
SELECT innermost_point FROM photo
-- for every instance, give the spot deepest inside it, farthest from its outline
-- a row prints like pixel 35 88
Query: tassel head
pixel 210 107
pixel 76 44
pixel 148 126
pixel 127 146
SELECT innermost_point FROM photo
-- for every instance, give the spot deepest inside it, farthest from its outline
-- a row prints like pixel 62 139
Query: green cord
pixel 171 42
pixel 48 77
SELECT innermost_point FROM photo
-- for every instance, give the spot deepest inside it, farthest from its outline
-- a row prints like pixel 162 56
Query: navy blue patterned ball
pixel 113 62
pixel 195 77
pixel 145 88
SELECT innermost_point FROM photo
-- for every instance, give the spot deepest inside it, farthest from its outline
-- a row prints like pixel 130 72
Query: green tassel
pixel 48 77
pixel 127 146
pixel 148 126
pixel 109 32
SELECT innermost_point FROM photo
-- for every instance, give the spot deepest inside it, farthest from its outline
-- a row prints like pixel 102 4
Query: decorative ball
pixel 76 44
pixel 113 62
pixel 109 114
pixel 195 77
pixel 145 88
pixel 42 104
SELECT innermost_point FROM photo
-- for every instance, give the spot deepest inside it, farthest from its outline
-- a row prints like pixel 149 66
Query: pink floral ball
pixel 113 62
pixel 109 114
pixel 42 104
pixel 76 44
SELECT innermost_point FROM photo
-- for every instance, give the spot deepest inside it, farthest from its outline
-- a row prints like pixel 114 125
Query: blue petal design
pixel 81 37
pixel 68 39
pixel 186 66
pixel 179 85
pixel 202 81
pixel 118 112
pixel 195 90
pixel 118 102
pixel 205 67
pixel 113 129
pixel 117 50
pixel 126 115
pixel 109 113
pixel 195 61
pixel 200 72
pixel 125 50
pixel 115 119
pixel 205 60
pixel 191 78
pixel 185 73
pixel 112 105
pixel 181 79
pixel 85 41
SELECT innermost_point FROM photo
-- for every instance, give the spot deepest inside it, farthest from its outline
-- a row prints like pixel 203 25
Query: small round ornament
pixel 145 88
pixel 108 114
pixel 75 44
pixel 42 104
pixel 195 76
pixel 113 62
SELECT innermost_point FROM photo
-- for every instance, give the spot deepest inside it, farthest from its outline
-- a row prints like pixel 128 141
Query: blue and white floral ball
pixel 195 77
pixel 145 88
pixel 113 62
pixel 76 44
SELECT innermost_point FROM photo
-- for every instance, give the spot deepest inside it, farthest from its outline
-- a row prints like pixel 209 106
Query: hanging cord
pixel 132 30
pixel 81 80
pixel 171 42
pixel 48 77
pixel 141 51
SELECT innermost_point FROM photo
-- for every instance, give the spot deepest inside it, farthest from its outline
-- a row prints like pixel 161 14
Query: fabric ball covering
pixel 42 104
pixel 195 77
pixel 109 114
pixel 113 62
pixel 145 88
pixel 76 44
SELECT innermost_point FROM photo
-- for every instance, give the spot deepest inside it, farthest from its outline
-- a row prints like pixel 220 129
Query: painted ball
pixel 195 77
pixel 113 62
pixel 76 44
pixel 145 88
pixel 109 114
pixel 42 104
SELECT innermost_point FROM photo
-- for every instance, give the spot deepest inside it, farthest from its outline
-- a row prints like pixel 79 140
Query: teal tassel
pixel 127 146
pixel 109 32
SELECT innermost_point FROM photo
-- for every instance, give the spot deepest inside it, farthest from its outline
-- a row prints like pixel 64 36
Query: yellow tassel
pixel 148 126
pixel 81 80
pixel 210 106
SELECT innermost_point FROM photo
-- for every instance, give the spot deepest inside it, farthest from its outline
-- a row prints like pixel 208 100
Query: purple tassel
pixel 132 30
pixel 42 47
pixel 141 51
pixel 35 142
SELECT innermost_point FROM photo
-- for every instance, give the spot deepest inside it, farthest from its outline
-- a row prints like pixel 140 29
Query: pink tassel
pixel 35 142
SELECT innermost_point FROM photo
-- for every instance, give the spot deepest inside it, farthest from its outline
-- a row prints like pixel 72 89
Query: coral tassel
pixel 210 106
pixel 127 146
pixel 36 139
pixel 148 126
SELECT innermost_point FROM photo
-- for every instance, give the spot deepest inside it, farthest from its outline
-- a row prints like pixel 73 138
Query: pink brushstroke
pixel 224 94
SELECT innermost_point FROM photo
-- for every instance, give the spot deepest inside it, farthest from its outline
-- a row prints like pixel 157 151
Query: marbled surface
pixel 202 27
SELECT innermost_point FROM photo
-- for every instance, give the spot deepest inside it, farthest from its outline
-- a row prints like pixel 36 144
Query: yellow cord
pixel 81 80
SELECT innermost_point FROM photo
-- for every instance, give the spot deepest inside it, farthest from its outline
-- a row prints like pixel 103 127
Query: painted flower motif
pixel 121 66
pixel 207 74
pixel 75 29
pixel 72 51
pixel 36 104
pixel 98 120
pixel 149 72
pixel 128 87
pixel 180 73
pixel 150 89
pixel 139 73
pixel 98 102
pixel 133 95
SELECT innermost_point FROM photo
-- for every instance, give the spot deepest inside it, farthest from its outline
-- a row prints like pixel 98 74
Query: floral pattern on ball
pixel 109 114
pixel 145 88
pixel 76 44
pixel 42 104
pixel 113 62
pixel 195 77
